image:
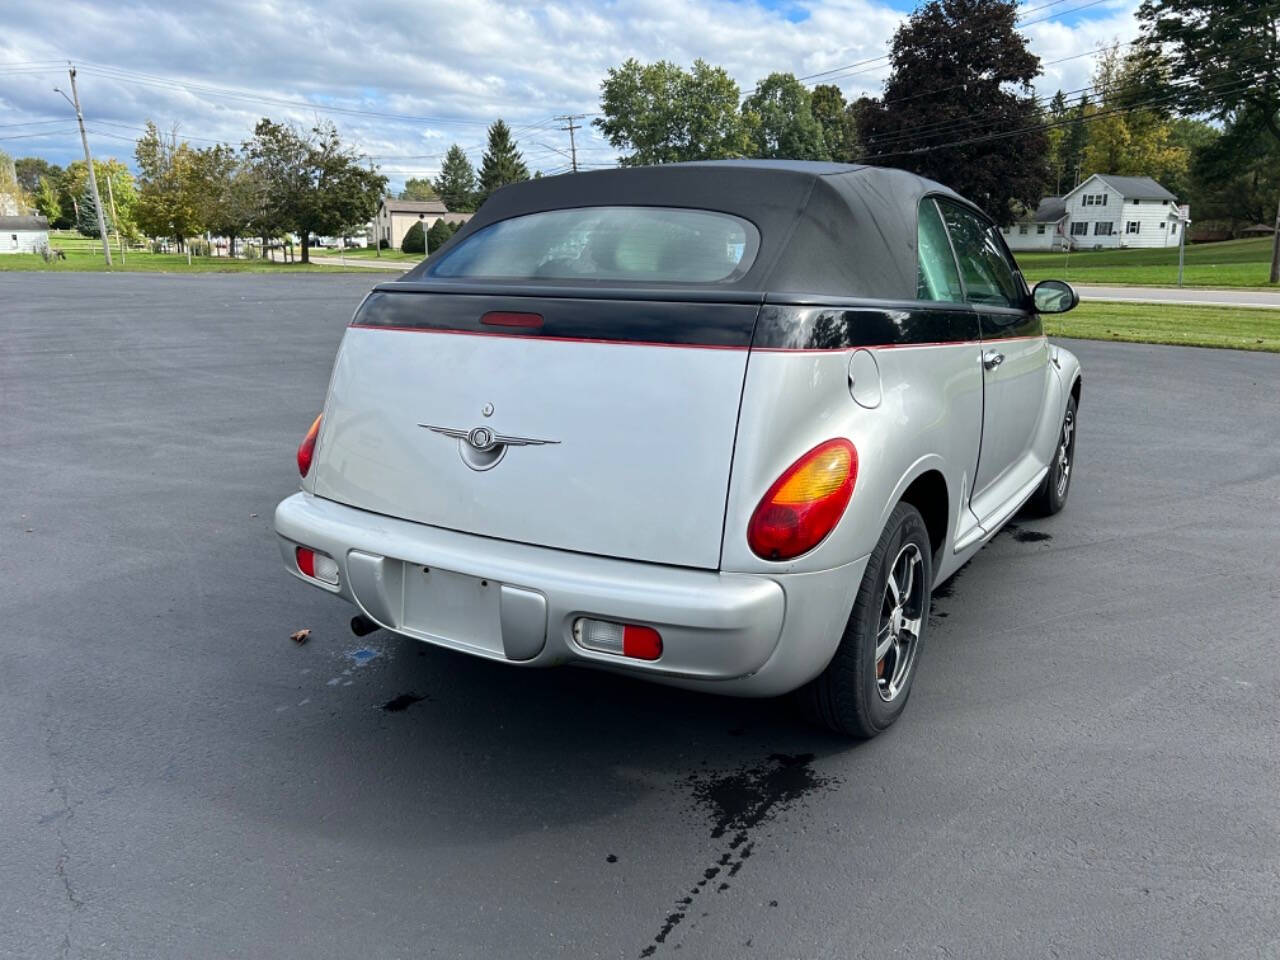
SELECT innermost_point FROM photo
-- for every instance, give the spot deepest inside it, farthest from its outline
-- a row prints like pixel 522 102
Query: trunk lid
pixel 605 427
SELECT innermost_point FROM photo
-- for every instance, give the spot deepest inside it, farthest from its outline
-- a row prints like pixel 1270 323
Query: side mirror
pixel 1054 296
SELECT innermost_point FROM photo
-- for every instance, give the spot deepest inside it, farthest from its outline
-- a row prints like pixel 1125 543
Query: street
pixel 1188 296
pixel 1087 767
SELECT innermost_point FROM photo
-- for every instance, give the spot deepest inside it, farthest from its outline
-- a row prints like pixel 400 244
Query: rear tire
pixel 1051 495
pixel 861 694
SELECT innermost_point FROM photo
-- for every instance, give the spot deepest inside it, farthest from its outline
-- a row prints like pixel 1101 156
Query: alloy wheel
pixel 901 613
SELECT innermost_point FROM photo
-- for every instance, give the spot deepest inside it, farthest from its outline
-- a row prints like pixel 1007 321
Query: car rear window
pixel 628 244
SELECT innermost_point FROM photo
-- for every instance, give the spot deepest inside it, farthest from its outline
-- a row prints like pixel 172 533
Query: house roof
pixel 1133 188
pixel 414 206
pixel 1050 210
pixel 23 223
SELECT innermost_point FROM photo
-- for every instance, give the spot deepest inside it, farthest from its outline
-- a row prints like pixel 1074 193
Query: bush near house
pixel 414 240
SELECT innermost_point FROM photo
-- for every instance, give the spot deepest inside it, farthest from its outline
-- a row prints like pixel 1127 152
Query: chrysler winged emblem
pixel 483 440
pixel 482 447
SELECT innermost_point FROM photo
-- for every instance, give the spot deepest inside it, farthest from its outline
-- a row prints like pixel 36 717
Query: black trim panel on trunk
pixel 783 327
pixel 724 325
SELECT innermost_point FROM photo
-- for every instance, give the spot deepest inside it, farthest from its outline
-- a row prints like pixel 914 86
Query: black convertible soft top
pixel 826 229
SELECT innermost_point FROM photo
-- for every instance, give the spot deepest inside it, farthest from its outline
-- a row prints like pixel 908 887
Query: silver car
pixel 720 425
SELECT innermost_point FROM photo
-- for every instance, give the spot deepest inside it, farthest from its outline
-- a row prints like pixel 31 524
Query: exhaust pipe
pixel 362 626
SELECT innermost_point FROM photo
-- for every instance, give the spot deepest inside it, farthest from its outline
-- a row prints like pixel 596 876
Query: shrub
pixel 438 235
pixel 414 240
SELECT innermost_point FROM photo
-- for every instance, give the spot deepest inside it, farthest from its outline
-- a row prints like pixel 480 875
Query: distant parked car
pixel 720 425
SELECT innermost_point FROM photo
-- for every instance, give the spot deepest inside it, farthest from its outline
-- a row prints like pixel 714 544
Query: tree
pixel 1223 53
pixel 313 184
pixel 1235 174
pixel 415 240
pixel 456 184
pixel 1129 137
pixel 46 200
pixel 87 215
pixel 169 202
pixel 663 114
pixel 502 163
pixel 838 121
pixel 778 116
pixel 13 198
pixel 418 189
pixel 971 132
pixel 439 234
pixel 31 170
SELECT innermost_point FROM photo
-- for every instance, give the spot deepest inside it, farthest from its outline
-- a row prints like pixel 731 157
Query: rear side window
pixel 937 277
pixel 989 278
pixel 613 244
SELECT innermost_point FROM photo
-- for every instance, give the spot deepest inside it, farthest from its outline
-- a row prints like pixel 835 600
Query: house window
pixel 1133 226
pixel 1088 200
pixel 1102 199
pixel 1080 228
pixel 1137 203
pixel 1039 229
pixel 14 237
pixel 1022 229
pixel 1102 228
pixel 1173 228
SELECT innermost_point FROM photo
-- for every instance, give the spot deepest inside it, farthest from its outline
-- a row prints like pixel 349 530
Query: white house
pixel 23 234
pixel 395 217
pixel 1045 229
pixel 1110 211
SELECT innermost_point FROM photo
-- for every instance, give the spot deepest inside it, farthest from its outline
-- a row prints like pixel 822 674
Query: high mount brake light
pixel 501 318
pixel 307 449
pixel 805 503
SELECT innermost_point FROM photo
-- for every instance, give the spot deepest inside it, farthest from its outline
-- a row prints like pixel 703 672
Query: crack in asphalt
pixel 59 818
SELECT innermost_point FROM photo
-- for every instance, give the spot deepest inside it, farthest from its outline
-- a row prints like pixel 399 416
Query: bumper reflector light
pixel 620 639
pixel 317 565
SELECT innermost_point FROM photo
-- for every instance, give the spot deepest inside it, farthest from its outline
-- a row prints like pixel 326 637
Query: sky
pixel 404 79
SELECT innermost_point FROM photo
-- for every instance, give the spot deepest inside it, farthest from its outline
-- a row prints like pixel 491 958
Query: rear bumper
pixel 517 603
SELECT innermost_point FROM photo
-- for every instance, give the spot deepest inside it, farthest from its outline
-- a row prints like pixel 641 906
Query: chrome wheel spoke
pixel 884 646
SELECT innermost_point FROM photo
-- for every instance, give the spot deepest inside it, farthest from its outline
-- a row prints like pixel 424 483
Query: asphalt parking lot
pixel 1088 766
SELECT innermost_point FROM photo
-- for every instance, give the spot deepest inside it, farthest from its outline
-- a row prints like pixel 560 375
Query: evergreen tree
pixel 87 215
pixel 414 239
pixel 438 235
pixel 502 162
pixel 456 184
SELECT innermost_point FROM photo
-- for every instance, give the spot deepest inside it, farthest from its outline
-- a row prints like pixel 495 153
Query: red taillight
pixel 307 449
pixel 641 643
pixel 317 565
pixel 306 560
pixel 805 503
pixel 500 318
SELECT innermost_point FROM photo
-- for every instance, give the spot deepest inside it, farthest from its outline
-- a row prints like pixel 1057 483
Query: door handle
pixel 992 359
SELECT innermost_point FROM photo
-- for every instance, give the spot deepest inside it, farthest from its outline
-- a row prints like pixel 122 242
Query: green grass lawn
pixel 368 253
pixel 140 261
pixel 1231 263
pixel 1230 327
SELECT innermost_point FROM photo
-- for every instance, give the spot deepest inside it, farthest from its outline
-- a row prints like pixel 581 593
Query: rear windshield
pixel 635 244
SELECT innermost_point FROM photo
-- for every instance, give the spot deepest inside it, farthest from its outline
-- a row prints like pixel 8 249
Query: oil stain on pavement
pixel 737 803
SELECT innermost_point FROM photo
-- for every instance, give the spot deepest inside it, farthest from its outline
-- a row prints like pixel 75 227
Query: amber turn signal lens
pixel 307 449
pixel 805 503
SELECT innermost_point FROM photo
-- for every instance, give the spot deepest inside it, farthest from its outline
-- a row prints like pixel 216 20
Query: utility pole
pixel 88 160
pixel 115 219
pixel 1275 250
pixel 1184 217
pixel 571 127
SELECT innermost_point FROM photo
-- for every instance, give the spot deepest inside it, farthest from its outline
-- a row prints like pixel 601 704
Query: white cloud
pixel 454 65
